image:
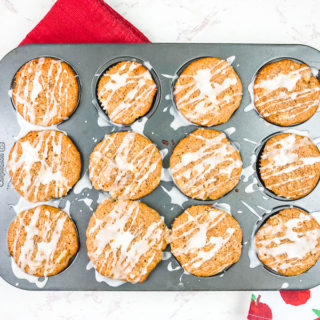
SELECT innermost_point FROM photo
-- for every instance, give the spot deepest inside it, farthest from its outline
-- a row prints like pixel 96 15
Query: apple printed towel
pixel 282 305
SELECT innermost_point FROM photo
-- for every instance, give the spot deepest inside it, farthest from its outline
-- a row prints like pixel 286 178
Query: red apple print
pixel 259 310
pixel 295 298
pixel 317 312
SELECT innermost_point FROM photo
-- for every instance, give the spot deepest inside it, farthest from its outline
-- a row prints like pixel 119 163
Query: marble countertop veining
pixel 257 21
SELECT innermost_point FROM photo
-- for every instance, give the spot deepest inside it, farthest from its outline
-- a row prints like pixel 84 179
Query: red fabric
pixel 77 21
pixel 295 297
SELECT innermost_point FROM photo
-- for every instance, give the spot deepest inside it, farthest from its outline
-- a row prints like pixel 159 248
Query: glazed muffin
pixel 205 165
pixel 289 242
pixel 206 240
pixel 286 93
pixel 42 240
pixel 125 240
pixel 208 91
pixel 45 91
pixel 290 165
pixel 126 91
pixel 125 164
pixel 44 165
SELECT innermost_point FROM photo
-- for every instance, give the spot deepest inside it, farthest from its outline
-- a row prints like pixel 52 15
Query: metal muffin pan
pixel 249 202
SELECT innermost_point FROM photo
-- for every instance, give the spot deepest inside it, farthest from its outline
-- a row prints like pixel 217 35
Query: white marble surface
pixel 270 21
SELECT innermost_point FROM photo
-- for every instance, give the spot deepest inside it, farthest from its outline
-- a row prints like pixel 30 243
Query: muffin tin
pixel 249 202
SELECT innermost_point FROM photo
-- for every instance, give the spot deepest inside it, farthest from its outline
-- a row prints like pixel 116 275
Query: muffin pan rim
pixel 217 50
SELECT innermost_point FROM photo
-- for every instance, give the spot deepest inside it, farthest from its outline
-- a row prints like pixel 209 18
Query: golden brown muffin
pixel 126 91
pixel 208 91
pixel 286 93
pixel 125 239
pixel 44 165
pixel 206 240
pixel 205 165
pixel 125 164
pixel 42 240
pixel 290 165
pixel 45 91
pixel 289 242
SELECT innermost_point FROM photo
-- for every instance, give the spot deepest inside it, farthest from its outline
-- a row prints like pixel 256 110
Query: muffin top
pixel 45 91
pixel 206 240
pixel 205 165
pixel 42 240
pixel 126 91
pixel 286 93
pixel 125 164
pixel 208 91
pixel 125 239
pixel 289 242
pixel 290 165
pixel 44 165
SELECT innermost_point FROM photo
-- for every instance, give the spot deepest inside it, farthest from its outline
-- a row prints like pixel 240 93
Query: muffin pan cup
pixel 249 204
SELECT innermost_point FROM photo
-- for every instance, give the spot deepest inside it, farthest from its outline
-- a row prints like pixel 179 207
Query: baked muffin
pixel 125 240
pixel 286 93
pixel 45 91
pixel 289 242
pixel 126 91
pixel 206 240
pixel 42 240
pixel 290 165
pixel 44 165
pixel 125 164
pixel 205 165
pixel 208 91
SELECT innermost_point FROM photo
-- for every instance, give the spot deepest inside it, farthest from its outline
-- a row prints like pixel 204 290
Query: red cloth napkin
pixel 83 21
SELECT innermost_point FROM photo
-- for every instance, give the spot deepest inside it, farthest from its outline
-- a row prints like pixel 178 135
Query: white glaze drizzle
pixel 251 209
pixel 166 255
pixel 102 196
pixel 178 120
pixel 20 274
pixel 24 204
pixel 197 242
pixel 248 171
pixel 139 125
pixel 26 127
pixel 289 82
pixel 201 97
pixel 33 255
pixel 88 202
pixel 118 242
pixel 285 239
pixel 172 268
pixel 83 183
pixel 230 131
pixel 142 89
pixel 254 261
pixel 135 171
pixel 100 278
pixel 211 153
pixel 176 197
pixel 285 160
pixel 22 165
pixel 33 80
pixel 166 175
